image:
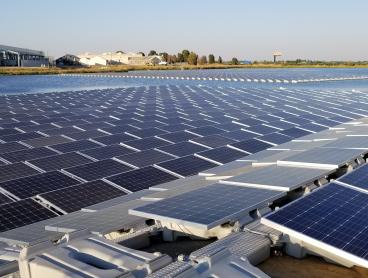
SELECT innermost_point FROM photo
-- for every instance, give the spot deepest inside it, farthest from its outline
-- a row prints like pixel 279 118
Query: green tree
pixel 202 60
pixel 211 59
pixel 192 58
pixel 180 58
pixel 234 61
pixel 165 56
pixel 152 52
pixel 185 53
pixel 219 60
pixel 172 59
pixel 140 52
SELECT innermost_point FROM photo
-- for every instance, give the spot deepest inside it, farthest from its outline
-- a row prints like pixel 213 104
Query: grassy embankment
pixel 125 68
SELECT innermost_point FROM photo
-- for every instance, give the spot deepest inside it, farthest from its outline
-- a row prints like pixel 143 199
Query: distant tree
pixel 140 52
pixel 185 53
pixel 152 53
pixel 165 56
pixel 219 60
pixel 120 52
pixel 234 61
pixel 171 59
pixel 211 59
pixel 202 60
pixel 180 58
pixel 192 58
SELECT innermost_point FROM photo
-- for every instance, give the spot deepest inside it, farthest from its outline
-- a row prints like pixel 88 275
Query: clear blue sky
pixel 248 29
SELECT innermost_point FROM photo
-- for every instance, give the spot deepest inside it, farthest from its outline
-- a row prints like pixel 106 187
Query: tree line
pixel 190 57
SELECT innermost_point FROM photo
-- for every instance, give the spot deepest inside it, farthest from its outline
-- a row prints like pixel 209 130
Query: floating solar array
pixel 56 148
pixel 246 75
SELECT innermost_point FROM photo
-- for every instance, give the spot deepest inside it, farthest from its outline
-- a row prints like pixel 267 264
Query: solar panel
pixel 107 152
pixel 20 136
pixel 213 141
pixel 250 146
pixel 75 146
pixel 60 161
pixel 97 170
pixel 275 138
pixel 209 206
pixel 177 137
pixel 186 166
pixel 86 134
pixel 182 149
pixel 82 195
pixel 147 132
pixel 334 215
pixel 28 154
pixel 146 143
pixel 221 155
pixel 21 213
pixel 46 141
pixel 16 170
pixel 114 139
pixel 4 199
pixel 357 178
pixel 36 184
pixel 11 147
pixel 145 158
pixel 239 135
pixel 206 130
pixel 313 127
pixel 261 129
pixel 295 132
pixel 140 179
pixel 278 177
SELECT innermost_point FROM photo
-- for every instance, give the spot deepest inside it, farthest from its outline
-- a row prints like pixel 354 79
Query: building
pixel 68 60
pixel 21 57
pixel 118 58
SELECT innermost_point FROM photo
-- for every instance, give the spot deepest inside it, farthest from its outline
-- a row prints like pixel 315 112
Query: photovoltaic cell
pixel 99 169
pixel 75 146
pixel 213 141
pixel 182 149
pixel 209 206
pixel 295 132
pixel 4 199
pixel 16 170
pixel 358 177
pixel 114 139
pixel 145 158
pixel 107 152
pixel 28 154
pixel 334 215
pixel 11 147
pixel 21 213
pixel 222 155
pixel 251 146
pixel 60 161
pixel 276 138
pixel 46 141
pixel 146 143
pixel 82 195
pixel 36 184
pixel 140 179
pixel 187 165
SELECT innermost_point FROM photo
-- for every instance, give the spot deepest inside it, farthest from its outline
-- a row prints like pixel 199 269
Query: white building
pixel 89 59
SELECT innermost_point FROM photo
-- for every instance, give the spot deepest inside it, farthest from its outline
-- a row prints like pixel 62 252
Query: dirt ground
pixel 310 267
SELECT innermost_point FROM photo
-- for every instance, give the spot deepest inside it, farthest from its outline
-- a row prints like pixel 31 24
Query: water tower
pixel 275 55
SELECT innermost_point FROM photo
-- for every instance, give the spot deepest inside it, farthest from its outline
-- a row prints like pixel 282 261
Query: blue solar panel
pixel 146 143
pixel 335 215
pixel 358 177
pixel 208 206
pixel 145 158
pixel 213 141
pixel 222 155
pixel 107 152
pixel 251 146
pixel 182 149
pixel 36 184
pixel 21 213
pixel 75 146
pixel 99 169
pixel 295 132
pixel 187 165
pixel 140 179
pixel 82 195
pixel 276 138
pixel 28 154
